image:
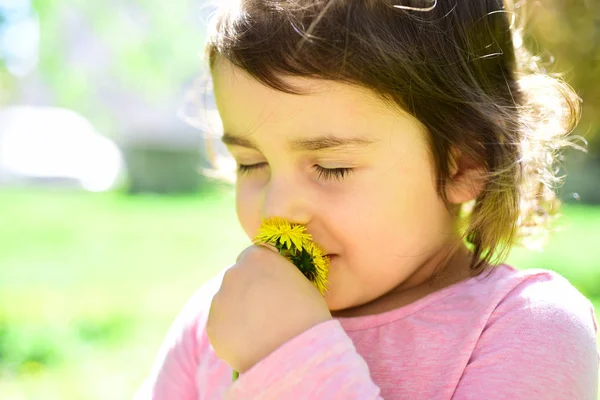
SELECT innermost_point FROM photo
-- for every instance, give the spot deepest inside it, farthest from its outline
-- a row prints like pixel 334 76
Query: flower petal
pixel 293 237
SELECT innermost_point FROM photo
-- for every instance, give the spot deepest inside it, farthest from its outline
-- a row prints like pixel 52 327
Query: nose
pixel 286 199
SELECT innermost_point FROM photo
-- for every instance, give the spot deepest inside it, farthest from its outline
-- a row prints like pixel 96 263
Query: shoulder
pixel 542 313
pixel 533 300
pixel 537 340
pixel 543 295
pixel 535 293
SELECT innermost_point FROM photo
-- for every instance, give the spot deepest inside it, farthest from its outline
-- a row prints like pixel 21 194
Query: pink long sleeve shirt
pixel 517 335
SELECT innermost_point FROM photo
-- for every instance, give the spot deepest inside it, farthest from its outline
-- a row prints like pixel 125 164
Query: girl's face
pixel 342 162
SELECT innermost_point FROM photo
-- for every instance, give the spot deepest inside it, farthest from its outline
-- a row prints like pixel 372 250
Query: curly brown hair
pixel 458 66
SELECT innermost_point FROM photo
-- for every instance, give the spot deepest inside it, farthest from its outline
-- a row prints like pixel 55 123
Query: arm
pixel 321 363
pixel 540 343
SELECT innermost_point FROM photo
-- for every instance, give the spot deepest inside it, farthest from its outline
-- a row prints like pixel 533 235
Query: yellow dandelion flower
pixel 278 231
pixel 295 244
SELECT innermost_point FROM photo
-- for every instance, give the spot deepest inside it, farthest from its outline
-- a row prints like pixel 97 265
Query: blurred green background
pixel 107 226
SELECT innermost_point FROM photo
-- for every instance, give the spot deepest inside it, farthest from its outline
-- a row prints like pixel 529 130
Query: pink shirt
pixel 517 335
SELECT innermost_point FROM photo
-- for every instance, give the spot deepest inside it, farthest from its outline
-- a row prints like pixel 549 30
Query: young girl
pixel 415 141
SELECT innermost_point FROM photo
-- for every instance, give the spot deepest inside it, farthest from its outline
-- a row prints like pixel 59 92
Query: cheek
pixel 421 216
pixel 401 214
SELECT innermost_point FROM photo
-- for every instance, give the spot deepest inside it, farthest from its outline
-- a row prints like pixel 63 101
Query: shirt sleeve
pixel 540 343
pixel 173 372
pixel 321 363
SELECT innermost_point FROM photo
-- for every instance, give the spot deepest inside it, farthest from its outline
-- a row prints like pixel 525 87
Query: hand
pixel 263 302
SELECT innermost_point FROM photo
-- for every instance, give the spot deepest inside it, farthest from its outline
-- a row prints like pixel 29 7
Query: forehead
pixel 325 106
pixel 233 86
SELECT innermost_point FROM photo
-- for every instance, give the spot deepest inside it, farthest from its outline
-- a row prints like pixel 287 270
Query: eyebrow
pixel 311 144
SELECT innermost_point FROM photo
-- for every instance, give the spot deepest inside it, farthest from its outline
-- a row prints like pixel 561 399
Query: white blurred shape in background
pixel 54 144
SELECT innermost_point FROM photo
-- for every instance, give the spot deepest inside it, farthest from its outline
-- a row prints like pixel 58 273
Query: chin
pixel 337 304
pixel 334 304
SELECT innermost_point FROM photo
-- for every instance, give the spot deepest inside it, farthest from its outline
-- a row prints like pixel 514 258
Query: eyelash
pixel 323 173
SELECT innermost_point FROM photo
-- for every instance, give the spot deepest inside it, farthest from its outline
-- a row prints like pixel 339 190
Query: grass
pixel 89 283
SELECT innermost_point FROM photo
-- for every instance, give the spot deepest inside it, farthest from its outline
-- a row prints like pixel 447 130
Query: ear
pixel 467 178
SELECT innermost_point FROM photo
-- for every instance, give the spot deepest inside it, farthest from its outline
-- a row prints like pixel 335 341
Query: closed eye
pixel 332 173
pixel 325 174
pixel 244 169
